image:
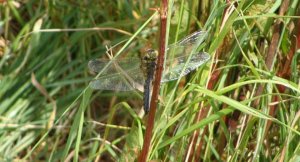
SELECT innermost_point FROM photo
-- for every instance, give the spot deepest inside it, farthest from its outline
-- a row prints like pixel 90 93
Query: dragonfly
pixel 127 74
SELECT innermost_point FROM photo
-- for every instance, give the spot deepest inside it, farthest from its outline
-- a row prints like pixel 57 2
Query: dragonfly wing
pixel 186 45
pixel 195 38
pixel 121 75
pixel 97 65
pixel 176 68
pixel 126 74
pixel 183 53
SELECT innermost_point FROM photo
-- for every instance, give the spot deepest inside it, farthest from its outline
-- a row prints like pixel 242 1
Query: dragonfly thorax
pixel 148 62
pixel 150 55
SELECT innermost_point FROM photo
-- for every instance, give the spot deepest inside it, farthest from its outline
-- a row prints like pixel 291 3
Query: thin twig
pixel 156 84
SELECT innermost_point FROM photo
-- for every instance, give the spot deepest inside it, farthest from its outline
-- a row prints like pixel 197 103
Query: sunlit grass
pixel 48 112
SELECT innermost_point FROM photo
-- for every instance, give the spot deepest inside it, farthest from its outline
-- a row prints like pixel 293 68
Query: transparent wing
pixel 127 75
pixel 175 69
pixel 121 75
pixel 186 45
pixel 183 52
pixel 130 75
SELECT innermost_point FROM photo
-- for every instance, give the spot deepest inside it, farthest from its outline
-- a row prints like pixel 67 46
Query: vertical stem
pixel 156 85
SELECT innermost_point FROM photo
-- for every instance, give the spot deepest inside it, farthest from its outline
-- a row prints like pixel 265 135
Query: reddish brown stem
pixel 156 84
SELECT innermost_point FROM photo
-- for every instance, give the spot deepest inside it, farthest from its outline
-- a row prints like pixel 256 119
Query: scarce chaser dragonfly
pixel 137 73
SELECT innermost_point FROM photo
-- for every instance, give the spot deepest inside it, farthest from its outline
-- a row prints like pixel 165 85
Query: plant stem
pixel 156 84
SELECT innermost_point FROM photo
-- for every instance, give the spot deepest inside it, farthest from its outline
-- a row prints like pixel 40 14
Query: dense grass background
pixel 243 104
